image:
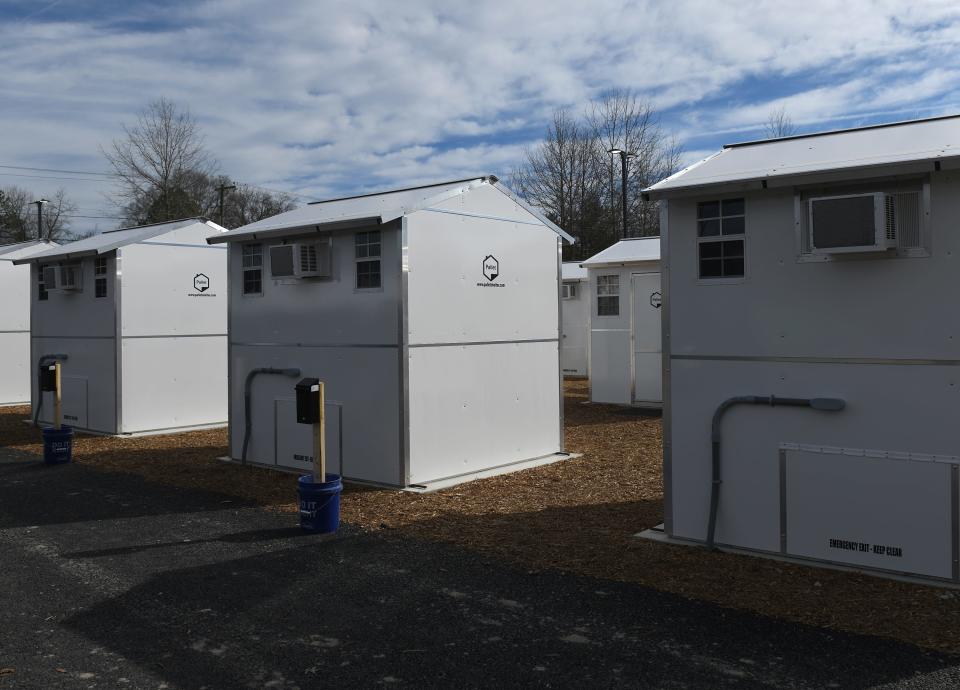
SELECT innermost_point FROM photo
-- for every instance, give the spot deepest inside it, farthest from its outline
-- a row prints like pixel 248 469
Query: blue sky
pixel 329 98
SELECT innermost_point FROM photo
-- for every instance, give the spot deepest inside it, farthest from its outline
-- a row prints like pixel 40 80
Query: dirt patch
pixel 577 515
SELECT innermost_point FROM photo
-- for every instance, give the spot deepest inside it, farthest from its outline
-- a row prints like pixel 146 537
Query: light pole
pixel 40 203
pixel 624 155
pixel 223 188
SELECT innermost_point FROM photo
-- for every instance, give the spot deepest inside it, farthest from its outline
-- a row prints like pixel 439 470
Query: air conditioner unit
pixel 63 278
pixel 852 223
pixel 311 259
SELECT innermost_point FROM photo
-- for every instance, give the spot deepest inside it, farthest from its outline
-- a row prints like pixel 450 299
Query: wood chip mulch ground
pixel 578 515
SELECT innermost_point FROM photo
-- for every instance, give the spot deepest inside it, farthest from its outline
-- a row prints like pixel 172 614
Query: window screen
pixel 721 230
pixel 252 263
pixel 281 261
pixel 608 295
pixel 367 253
pixel 42 293
pixel 100 279
pixel 843 222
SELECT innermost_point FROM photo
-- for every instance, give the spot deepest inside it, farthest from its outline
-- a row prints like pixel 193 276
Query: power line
pixel 58 170
pixel 114 176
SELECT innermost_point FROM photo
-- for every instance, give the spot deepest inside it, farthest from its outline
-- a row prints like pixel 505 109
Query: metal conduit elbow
pixel 823 404
pixel 41 363
pixel 247 384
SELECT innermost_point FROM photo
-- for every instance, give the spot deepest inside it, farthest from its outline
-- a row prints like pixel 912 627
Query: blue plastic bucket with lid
pixel 319 503
pixel 57 445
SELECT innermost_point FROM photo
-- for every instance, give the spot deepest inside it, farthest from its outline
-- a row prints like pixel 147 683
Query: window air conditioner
pixel 63 278
pixel 852 223
pixel 311 259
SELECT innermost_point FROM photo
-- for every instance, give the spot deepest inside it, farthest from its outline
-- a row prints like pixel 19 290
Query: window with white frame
pixel 608 295
pixel 367 255
pixel 721 231
pixel 569 291
pixel 252 263
pixel 100 276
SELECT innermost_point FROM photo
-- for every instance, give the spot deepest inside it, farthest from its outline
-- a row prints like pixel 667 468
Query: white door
pixel 646 338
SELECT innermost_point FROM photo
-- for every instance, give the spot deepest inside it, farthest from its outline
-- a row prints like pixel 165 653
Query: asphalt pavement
pixel 107 581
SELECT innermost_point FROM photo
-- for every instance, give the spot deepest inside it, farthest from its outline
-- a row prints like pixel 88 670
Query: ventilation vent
pixel 308 258
pixel 904 222
pixel 312 260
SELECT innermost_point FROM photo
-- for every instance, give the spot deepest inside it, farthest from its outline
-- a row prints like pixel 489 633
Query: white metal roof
pixel 371 209
pixel 626 251
pixel 114 239
pixel 774 160
pixel 571 271
pixel 11 252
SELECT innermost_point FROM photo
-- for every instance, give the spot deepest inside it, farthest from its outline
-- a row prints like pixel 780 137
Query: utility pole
pixel 40 203
pixel 624 155
pixel 223 188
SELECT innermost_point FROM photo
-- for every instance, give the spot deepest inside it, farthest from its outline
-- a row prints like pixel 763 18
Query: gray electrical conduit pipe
pixel 824 404
pixel 248 382
pixel 41 363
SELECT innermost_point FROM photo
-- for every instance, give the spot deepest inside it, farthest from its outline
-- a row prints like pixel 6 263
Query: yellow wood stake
pixel 320 441
pixel 56 398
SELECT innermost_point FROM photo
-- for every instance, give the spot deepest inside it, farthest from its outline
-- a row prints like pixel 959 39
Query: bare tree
pixel 18 216
pixel 557 174
pixel 159 162
pixel 779 124
pixel 621 120
pixel 248 204
pixel 573 178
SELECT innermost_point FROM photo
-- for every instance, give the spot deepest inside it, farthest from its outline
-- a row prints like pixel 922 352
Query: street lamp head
pixel 614 151
pixel 42 201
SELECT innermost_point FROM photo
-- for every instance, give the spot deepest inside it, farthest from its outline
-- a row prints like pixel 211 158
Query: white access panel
pixel 15 360
pixel 475 407
pixel 609 366
pixel 294 441
pixel 647 338
pixel 173 382
pixel 879 512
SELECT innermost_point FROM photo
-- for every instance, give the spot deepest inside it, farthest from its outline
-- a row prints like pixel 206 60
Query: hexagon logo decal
pixel 201 283
pixel 491 267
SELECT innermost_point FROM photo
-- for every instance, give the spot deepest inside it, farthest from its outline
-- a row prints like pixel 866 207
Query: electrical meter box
pixel 308 402
pixel 48 378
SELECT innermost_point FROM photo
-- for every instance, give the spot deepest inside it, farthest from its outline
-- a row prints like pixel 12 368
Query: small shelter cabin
pixel 625 350
pixel 575 316
pixel 820 270
pixel 138 318
pixel 432 316
pixel 15 321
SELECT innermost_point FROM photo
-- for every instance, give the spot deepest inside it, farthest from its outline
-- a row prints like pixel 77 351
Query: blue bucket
pixel 57 445
pixel 319 503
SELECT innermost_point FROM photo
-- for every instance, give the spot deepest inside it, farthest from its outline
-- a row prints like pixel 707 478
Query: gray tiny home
pixel 431 313
pixel 137 317
pixel 811 349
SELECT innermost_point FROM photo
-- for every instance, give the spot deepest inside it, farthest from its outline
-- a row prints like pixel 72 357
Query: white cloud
pixel 327 98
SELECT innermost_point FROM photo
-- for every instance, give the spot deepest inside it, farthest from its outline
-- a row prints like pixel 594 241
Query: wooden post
pixel 56 397
pixel 320 441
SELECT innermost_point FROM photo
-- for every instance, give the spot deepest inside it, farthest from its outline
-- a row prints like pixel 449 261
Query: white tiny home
pixel 625 349
pixel 141 317
pixel 575 315
pixel 820 270
pixel 15 321
pixel 431 314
